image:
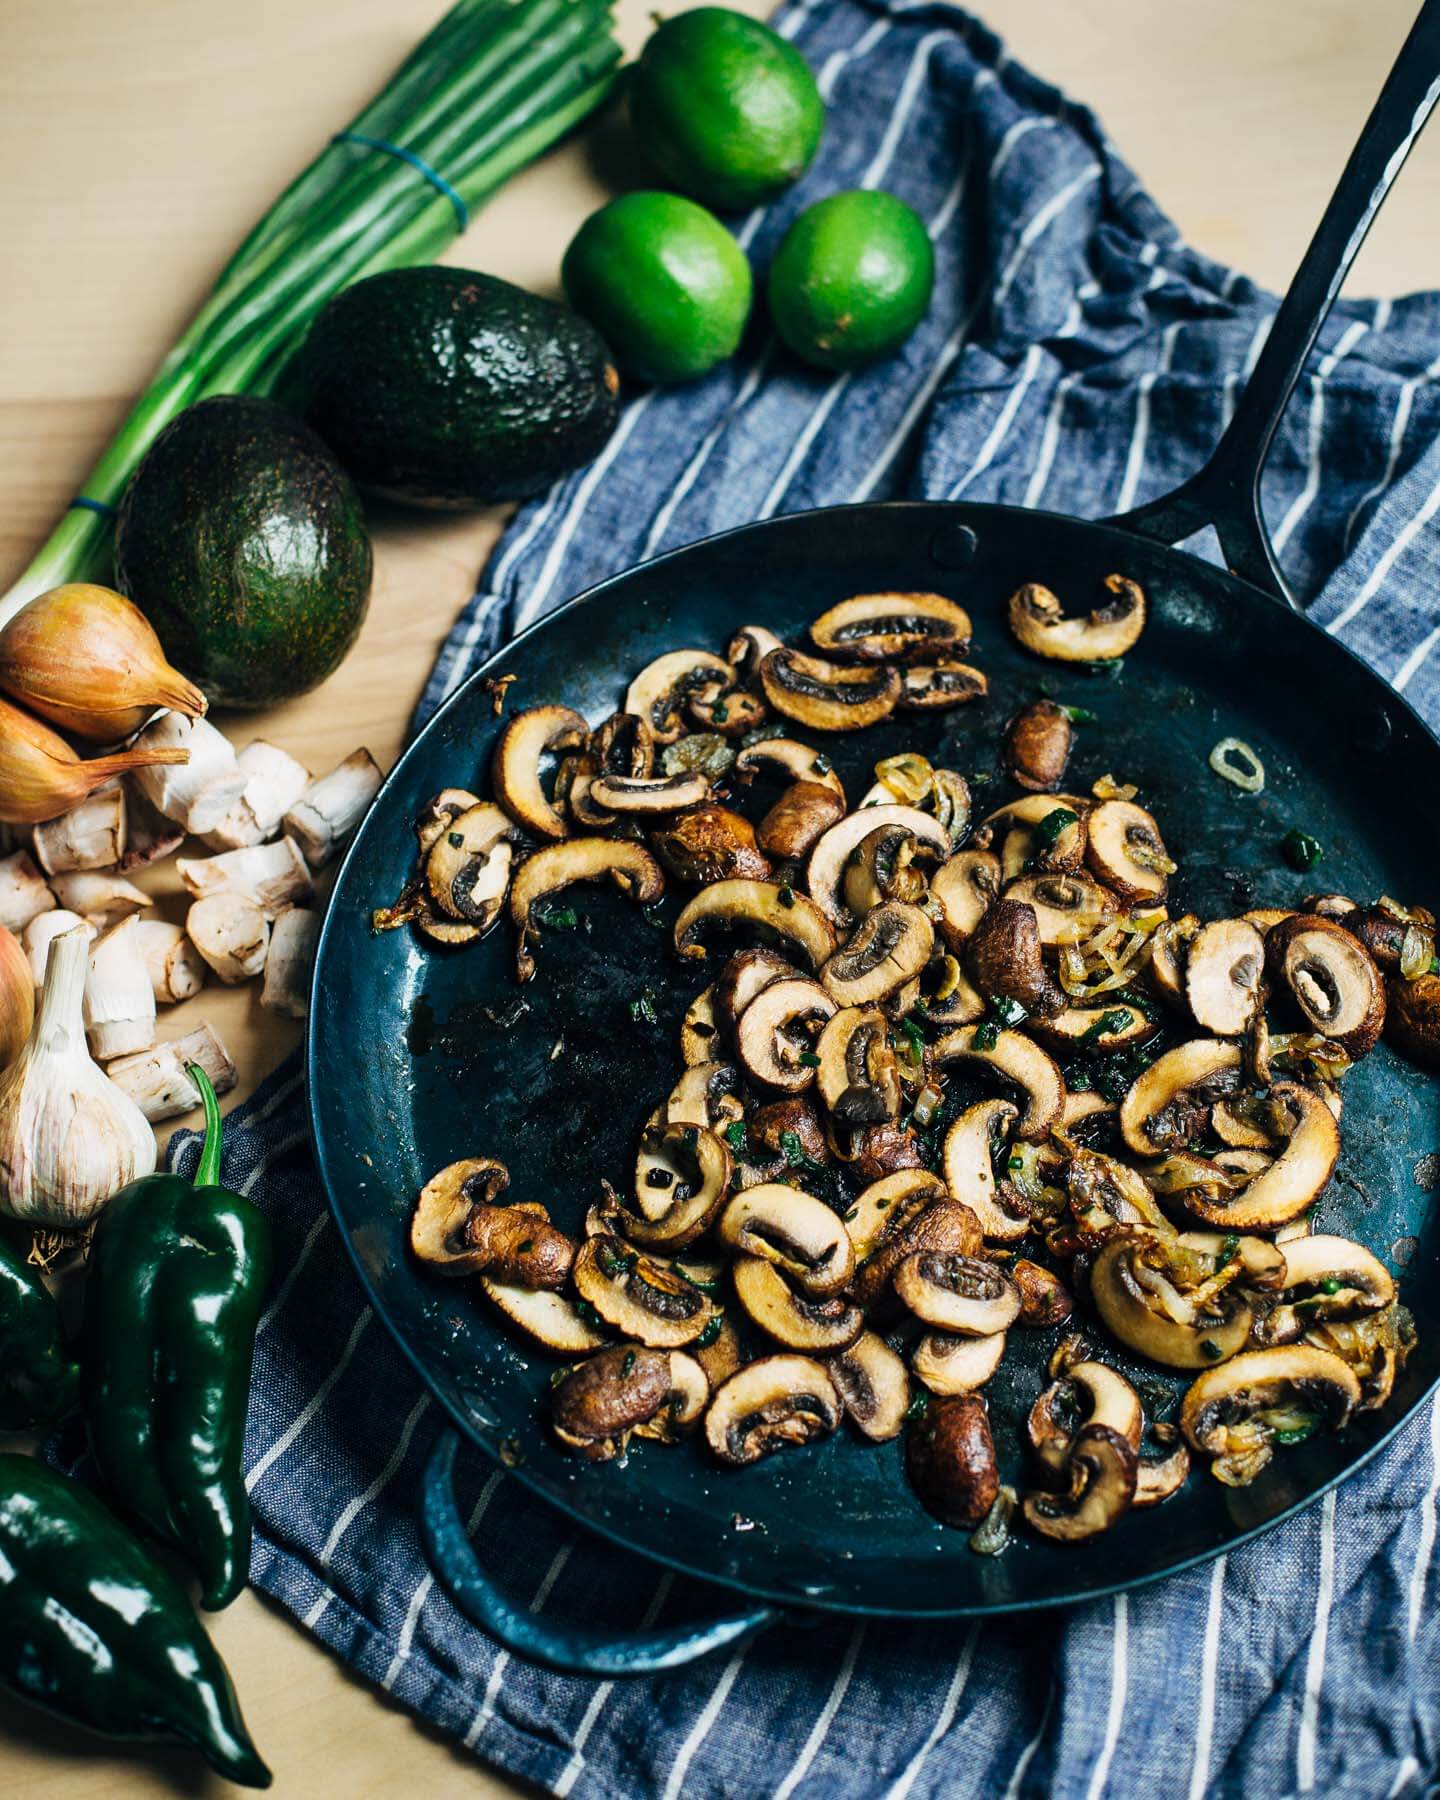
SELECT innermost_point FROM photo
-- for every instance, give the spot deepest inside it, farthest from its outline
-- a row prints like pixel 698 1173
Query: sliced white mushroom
pixel 682 1176
pixel 1087 1394
pixel 777 1401
pixel 89 836
pixel 684 1406
pixel 100 896
pixel 655 794
pixel 792 1229
pixel 706 1094
pixel 23 892
pixel 119 1001
pixel 467 868
pixel 889 948
pixel 971 1144
pixel 1331 977
pixel 551 1319
pixel 699 1030
pixel 825 870
pixel 1167 1104
pixel 1067 907
pixel 1015 1058
pixel 873 1386
pixel 762 907
pixel 1223 974
pixel 641 1297
pixel 630 867
pixel 1125 850
pixel 827 696
pixel 775 1038
pixel 176 969
pixel 331 808
pixel 815 1323
pixel 1041 834
pixel 291 959
pixel 156 1079
pixel 42 931
pixel 858 1077
pixel 892 627
pixel 790 761
pixel 962 1294
pixel 196 794
pixel 1293 1181
pixel 232 933
pixel 956 1365
pixel 659 692
pixel 962 890
pixel 1110 630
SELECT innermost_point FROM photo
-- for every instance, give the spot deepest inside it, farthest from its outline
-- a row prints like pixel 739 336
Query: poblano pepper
pixel 95 1631
pixel 38 1380
pixel 177 1275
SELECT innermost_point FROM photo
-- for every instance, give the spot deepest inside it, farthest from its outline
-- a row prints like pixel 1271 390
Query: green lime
pixel 663 282
pixel 725 108
pixel 851 279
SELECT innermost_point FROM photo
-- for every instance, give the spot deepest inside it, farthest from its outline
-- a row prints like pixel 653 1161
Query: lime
pixel 851 279
pixel 725 108
pixel 663 282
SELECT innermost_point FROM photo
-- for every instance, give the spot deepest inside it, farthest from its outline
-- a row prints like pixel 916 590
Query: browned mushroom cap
pixel 776 1401
pixel 858 1078
pixel 1067 907
pixel 971 1144
pixel 630 866
pixel 888 1205
pixel 573 781
pixel 624 745
pixel 1295 1179
pixel 748 648
pixel 827 696
pixel 1044 1298
pixel 1414 1017
pixel 1042 834
pixel 1169 949
pixel 829 860
pixel 892 628
pixel 515 770
pixel 1381 929
pixel 775 1038
pixel 1162 1475
pixel 793 1230
pixel 467 870
pixel 928 687
pixel 875 1151
pixel 662 687
pixel 963 1294
pixel 962 889
pixel 785 759
pixel 1154 1297
pixel 684 1405
pixel 956 1365
pixel 682 1176
pixel 721 706
pixel 647 796
pixel 1103 1472
pixel 944 1228
pixel 712 843
pixel 1233 1413
pixel 1014 1058
pixel 549 1318
pixel 1005 957
pixel 642 1297
pixel 1105 1191
pixel 811 1322
pixel 757 907
pixel 596 1406
pixel 1111 630
pixel 1125 850
pixel 720 1356
pixel 890 947
pixel 950 1459
pixel 1325 1278
pixel 873 1386
pixel 461 1227
pixel 1222 976
pixel 706 1094
pixel 1036 746
pixel 882 867
pixel 1376 1346
pixel 772 1126
pixel 1087 1394
pixel 743 977
pixel 700 1029
pixel 1167 1105
pixel 441 810
pixel 802 814
pixel 1331 978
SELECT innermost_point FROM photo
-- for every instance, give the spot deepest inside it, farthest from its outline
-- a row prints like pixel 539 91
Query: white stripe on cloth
pixel 1119 1689
pixel 702 1727
pixel 571 1773
pixel 1315 1662
pixel 1004 420
pixel 1305 499
pixel 292 1274
pixel 1027 1755
pixel 1386 561
pixel 1404 1775
pixel 311 1406
pixel 1046 217
pixel 1209 1670
pixel 1426 1547
pixel 426 1584
pixel 810 1749
pixel 1398 426
pixel 354 1507
pixel 1139 437
pixel 943 1719
pixel 1412 663
pixel 502 1660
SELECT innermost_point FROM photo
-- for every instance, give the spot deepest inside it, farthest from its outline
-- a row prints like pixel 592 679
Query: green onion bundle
pixel 492 86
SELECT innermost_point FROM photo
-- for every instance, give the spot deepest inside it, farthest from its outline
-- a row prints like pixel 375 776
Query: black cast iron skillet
pixel 834 1527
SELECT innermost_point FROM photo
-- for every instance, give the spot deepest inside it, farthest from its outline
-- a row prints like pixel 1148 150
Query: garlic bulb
pixel 89 661
pixel 42 777
pixel 17 998
pixel 69 1139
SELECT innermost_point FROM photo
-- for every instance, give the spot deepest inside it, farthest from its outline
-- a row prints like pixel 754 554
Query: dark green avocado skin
pixel 243 541
pixel 440 387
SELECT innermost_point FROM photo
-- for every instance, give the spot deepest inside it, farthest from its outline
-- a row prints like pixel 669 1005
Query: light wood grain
pixel 138 141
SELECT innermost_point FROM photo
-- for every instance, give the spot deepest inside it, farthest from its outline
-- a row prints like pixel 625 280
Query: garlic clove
pixel 17 998
pixel 42 777
pixel 88 660
pixel 119 1000
pixel 69 1139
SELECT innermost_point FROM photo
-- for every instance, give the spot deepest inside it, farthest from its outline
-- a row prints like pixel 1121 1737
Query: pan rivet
pixel 1373 731
pixel 953 546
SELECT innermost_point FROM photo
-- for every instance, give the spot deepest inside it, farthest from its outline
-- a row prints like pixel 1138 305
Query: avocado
pixel 243 541
pixel 440 387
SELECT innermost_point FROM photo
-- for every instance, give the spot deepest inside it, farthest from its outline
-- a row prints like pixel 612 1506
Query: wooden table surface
pixel 138 141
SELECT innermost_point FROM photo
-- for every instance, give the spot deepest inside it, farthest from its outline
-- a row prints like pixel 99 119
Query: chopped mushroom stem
pixel 23 893
pixel 119 1001
pixel 176 969
pixel 232 933
pixel 293 940
pixel 90 836
pixel 331 808
pixel 274 875
pixel 158 1081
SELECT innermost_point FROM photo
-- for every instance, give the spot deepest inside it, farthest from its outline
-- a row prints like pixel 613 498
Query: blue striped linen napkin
pixel 1078 356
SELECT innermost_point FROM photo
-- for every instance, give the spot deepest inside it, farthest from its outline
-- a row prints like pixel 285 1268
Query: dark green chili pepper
pixel 96 1632
pixel 177 1275
pixel 37 1379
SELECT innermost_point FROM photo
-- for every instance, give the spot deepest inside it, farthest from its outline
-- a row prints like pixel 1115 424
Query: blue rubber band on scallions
pixel 418 163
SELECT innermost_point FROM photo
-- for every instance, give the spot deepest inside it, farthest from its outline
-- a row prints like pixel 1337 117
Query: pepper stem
pixel 207 1170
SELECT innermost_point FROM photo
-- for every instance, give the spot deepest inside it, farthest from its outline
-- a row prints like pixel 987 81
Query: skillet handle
pixel 570 1649
pixel 1226 492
